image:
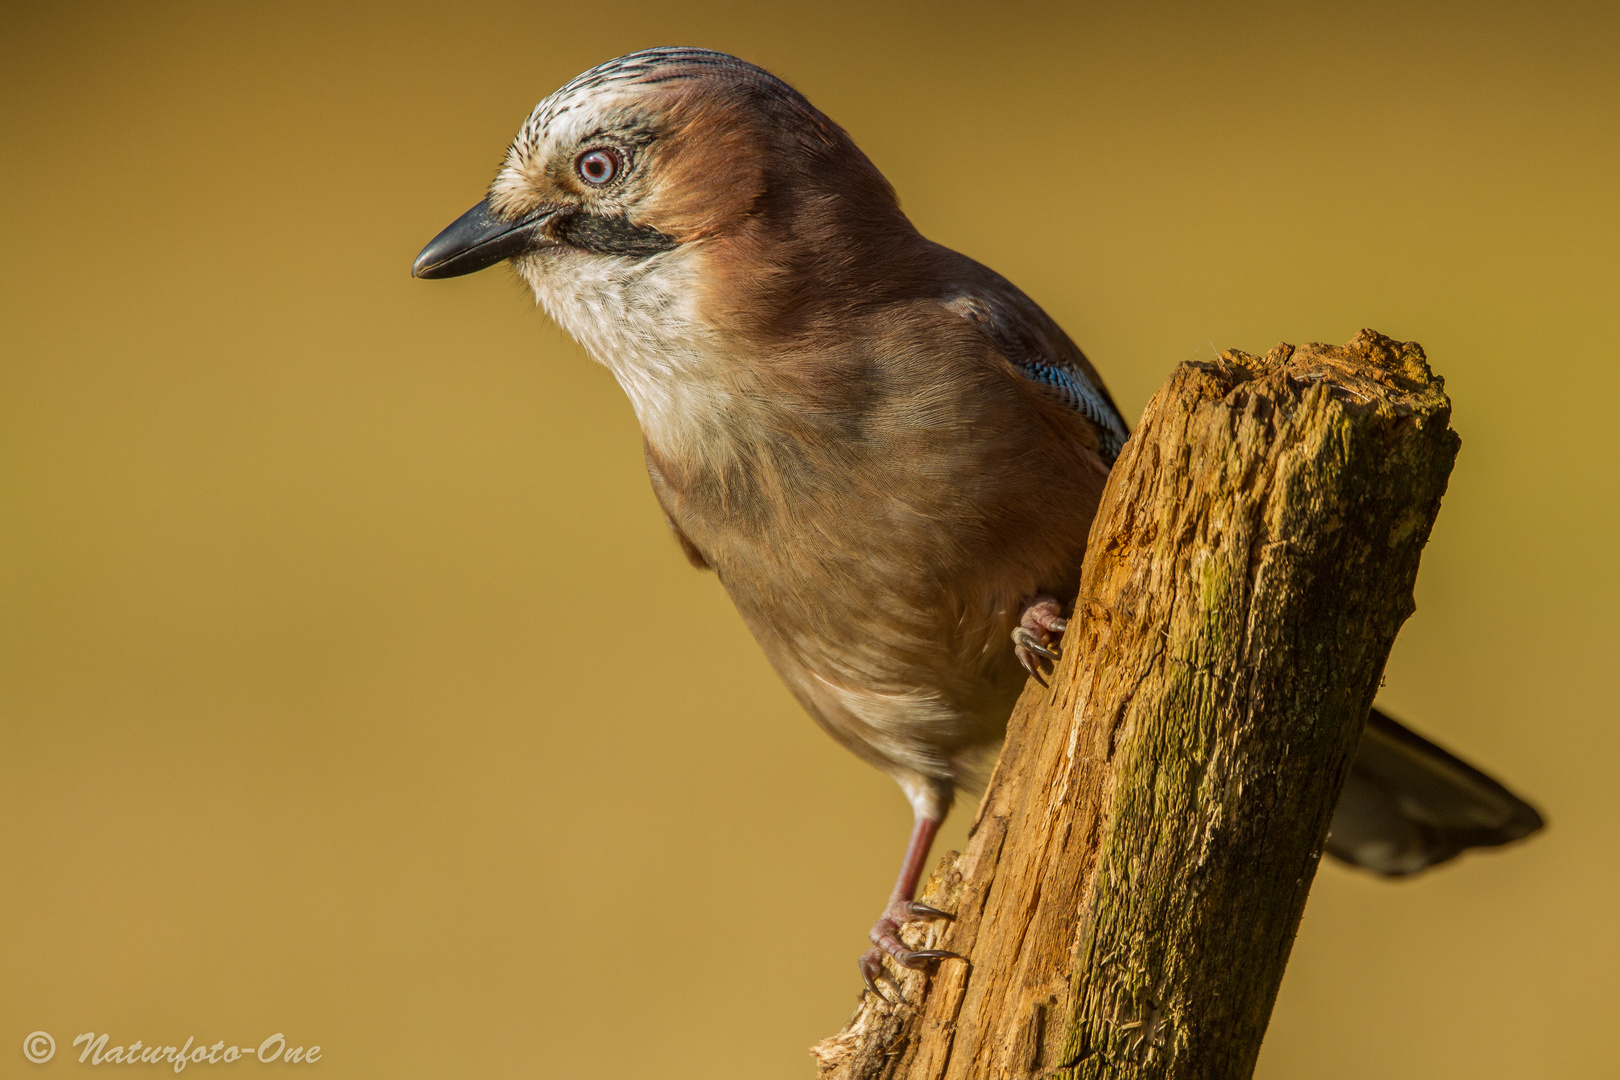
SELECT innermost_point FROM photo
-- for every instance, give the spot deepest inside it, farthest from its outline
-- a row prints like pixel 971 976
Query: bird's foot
pixel 886 940
pixel 1040 624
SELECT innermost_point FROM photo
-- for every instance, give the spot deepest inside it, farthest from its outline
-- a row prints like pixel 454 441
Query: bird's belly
pixel 907 670
pixel 884 585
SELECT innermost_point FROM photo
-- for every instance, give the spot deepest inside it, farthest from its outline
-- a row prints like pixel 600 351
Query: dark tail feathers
pixel 1409 805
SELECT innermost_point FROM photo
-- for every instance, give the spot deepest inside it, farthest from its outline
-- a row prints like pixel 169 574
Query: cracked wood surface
pixel 1135 877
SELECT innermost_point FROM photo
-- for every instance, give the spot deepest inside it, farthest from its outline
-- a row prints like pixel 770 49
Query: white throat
pixel 637 318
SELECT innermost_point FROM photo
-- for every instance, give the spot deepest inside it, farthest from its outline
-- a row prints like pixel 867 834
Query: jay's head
pixel 675 158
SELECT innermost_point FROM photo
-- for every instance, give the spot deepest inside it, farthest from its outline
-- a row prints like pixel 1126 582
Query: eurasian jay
pixel 887 453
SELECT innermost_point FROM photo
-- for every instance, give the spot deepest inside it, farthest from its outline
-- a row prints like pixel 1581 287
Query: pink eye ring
pixel 597 167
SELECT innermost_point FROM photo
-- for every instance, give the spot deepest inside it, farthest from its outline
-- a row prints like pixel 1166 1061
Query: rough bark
pixel 1137 871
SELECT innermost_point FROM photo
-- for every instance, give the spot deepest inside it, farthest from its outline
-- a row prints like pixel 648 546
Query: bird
pixel 888 454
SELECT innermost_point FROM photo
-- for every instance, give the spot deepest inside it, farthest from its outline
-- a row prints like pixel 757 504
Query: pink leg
pixel 903 909
pixel 1040 624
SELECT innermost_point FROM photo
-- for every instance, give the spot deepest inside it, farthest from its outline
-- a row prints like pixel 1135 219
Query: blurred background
pixel 352 688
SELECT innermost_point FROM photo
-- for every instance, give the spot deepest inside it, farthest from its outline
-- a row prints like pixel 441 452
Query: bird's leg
pixel 903 909
pixel 1035 637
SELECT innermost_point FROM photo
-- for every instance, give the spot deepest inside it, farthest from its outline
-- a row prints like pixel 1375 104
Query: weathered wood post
pixel 1138 868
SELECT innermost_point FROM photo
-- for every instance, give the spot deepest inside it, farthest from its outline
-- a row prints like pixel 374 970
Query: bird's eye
pixel 597 167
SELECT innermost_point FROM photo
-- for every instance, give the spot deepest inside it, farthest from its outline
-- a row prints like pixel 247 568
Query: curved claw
pixel 1028 658
pixel 872 970
pixel 1026 639
pixel 923 911
pixel 1031 665
pixel 871 967
pixel 916 958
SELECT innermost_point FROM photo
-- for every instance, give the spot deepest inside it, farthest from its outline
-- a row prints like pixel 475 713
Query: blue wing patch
pixel 1021 346
pixel 1078 393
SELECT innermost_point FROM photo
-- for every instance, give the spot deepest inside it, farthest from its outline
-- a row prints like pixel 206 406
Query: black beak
pixel 478 239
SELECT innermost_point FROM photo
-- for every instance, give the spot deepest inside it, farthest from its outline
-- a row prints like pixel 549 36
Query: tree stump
pixel 1140 861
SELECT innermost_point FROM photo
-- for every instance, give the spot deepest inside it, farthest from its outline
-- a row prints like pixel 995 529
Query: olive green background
pixel 351 687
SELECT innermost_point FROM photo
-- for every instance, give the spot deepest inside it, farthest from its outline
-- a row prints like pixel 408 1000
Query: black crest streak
pixel 613 234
